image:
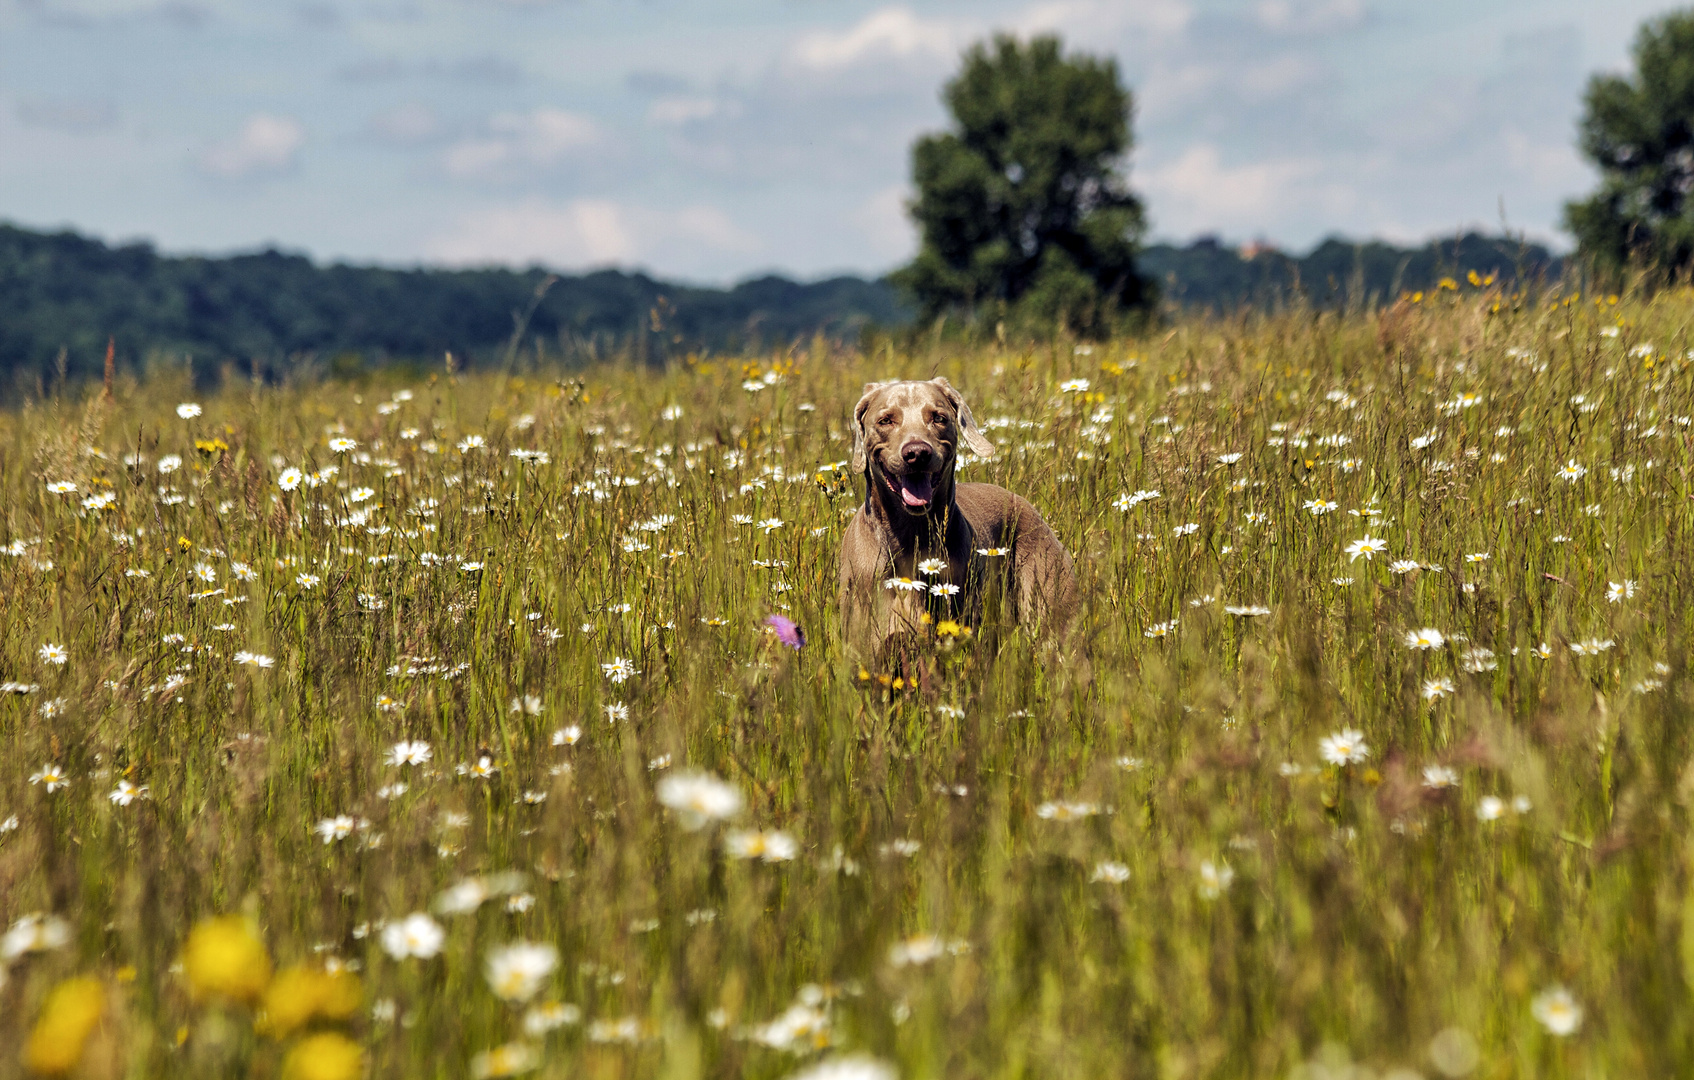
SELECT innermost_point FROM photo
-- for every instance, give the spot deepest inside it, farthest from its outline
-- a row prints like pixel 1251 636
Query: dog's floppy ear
pixel 859 424
pixel 979 444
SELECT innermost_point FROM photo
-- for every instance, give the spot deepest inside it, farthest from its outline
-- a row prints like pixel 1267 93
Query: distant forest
pixel 63 291
pixel 1210 274
pixel 63 295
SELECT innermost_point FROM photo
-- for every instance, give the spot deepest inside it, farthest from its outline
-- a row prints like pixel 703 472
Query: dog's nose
pixel 917 454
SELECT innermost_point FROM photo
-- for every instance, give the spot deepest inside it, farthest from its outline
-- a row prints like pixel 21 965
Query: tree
pixel 1025 206
pixel 1639 131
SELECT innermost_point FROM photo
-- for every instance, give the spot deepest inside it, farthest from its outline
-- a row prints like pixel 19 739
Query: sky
pixel 714 141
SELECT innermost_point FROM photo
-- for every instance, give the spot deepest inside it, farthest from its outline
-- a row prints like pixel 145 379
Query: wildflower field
pixel 499 724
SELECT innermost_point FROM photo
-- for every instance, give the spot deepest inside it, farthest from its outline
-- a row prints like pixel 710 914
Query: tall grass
pixel 1001 870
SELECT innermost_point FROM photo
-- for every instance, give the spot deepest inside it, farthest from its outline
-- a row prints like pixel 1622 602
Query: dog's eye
pixel 885 421
pixel 938 419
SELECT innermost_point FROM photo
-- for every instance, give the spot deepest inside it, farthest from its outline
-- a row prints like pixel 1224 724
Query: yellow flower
pixel 329 1056
pixel 67 1019
pixel 224 958
pixel 300 993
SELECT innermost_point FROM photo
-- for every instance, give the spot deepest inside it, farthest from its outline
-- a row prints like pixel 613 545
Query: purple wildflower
pixel 787 631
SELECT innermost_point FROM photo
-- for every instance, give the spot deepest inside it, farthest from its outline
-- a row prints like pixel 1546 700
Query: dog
pixel 973 547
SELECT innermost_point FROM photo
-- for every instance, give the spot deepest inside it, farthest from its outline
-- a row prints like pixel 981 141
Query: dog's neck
pixel 933 533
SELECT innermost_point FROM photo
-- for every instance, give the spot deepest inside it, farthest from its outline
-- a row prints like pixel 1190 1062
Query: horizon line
pixel 1262 244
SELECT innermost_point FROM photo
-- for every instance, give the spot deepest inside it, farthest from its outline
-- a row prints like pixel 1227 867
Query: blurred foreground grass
pixel 1384 764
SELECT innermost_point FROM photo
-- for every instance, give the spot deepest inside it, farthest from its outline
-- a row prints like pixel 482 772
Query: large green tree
pixel 1639 130
pixel 1024 207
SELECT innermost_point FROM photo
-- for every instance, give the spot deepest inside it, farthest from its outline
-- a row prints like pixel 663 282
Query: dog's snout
pixel 917 454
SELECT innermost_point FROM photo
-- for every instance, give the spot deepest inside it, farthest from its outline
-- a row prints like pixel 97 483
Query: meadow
pixel 438 727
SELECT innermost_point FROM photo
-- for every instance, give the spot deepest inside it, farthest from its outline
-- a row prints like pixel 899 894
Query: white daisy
pixel 1345 747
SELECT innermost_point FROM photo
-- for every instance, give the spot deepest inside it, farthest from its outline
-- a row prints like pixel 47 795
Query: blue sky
pixel 711 141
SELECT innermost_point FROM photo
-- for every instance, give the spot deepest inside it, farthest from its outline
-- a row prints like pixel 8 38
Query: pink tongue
pixel 915 490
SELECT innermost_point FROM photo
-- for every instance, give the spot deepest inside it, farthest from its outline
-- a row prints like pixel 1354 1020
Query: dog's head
pixel 905 440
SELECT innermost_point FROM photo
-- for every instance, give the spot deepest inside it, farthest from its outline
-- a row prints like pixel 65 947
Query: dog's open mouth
pixel 915 490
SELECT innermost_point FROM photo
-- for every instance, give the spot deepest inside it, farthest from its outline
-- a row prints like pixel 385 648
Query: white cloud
pixel 899 33
pixel 889 33
pixel 702 225
pixel 1197 192
pixel 265 145
pixel 884 225
pixel 516 143
pixel 585 233
pixel 1214 90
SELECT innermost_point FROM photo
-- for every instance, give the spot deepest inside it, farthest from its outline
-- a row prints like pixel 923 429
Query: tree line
pixel 63 295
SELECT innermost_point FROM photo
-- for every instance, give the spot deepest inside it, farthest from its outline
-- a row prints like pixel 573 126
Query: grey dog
pixel 996 552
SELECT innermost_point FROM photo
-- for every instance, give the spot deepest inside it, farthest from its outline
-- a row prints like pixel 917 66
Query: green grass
pixel 1365 913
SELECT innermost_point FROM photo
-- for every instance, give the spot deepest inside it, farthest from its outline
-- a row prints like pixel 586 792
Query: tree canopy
pixel 1025 206
pixel 1639 130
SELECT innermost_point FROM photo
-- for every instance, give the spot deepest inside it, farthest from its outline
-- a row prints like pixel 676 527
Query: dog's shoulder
pixel 861 553
pixel 975 496
pixel 991 502
pixel 995 512
pixel 858 529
